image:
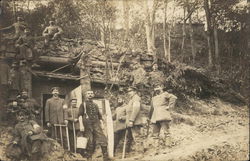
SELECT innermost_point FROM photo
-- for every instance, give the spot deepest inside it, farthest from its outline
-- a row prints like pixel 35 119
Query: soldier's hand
pixel 81 128
pixel 66 122
pixel 14 142
pixel 30 133
pixel 48 124
pixel 37 112
pixel 130 124
pixel 102 124
pixel 75 120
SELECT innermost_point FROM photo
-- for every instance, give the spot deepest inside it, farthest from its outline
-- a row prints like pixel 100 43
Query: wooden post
pixel 83 64
pixel 26 78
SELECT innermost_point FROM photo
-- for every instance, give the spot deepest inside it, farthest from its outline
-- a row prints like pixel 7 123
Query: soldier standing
pixel 134 119
pixel 90 120
pixel 54 111
pixel 19 27
pixel 119 122
pixel 160 116
pixel 71 119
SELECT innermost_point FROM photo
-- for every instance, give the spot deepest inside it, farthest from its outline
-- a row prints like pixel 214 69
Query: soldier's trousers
pixel 161 132
pixel 95 135
pixel 135 133
pixel 71 138
pixel 161 127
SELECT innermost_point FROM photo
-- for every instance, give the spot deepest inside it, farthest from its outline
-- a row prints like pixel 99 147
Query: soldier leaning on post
pixel 134 119
pixel 90 120
pixel 161 105
pixel 119 122
pixel 71 119
pixel 54 111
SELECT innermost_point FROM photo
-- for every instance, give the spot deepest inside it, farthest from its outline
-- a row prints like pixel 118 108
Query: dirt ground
pixel 220 132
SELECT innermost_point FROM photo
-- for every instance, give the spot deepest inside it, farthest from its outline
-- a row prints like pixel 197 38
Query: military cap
pixel 24 90
pixel 55 88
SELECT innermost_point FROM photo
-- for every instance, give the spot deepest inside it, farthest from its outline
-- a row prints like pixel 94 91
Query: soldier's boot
pixel 105 153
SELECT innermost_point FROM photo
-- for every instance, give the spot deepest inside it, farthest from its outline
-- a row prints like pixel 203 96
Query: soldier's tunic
pixel 119 124
pixel 26 45
pixel 133 113
pixel 160 106
pixel 71 114
pixel 91 121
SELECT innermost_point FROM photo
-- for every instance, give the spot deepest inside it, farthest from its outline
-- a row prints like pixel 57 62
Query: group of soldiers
pixel 25 42
pixel 86 120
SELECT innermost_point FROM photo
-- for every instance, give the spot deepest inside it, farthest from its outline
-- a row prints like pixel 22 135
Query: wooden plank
pixel 110 129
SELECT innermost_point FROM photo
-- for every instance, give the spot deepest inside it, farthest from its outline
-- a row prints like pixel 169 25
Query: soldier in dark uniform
pixel 29 135
pixel 30 105
pixel 26 44
pixel 71 119
pixel 90 120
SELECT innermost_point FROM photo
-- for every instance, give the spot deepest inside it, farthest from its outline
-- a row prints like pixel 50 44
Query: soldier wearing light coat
pixel 161 105
pixel 134 119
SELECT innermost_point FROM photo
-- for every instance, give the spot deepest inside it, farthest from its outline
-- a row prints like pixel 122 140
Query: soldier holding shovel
pixel 71 119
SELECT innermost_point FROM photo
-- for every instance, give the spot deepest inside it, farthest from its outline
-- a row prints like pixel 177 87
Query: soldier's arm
pixel 16 135
pixel 99 113
pixel 47 109
pixel 45 31
pixel 60 30
pixel 172 100
pixel 123 113
pixel 80 114
pixel 135 110
pixel 7 28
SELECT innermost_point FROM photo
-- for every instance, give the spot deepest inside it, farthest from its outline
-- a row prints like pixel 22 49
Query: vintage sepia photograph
pixel 124 80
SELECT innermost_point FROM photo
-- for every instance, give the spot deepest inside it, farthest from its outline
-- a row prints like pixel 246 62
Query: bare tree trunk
pixel 191 35
pixel 126 18
pixel 183 34
pixel 14 10
pixel 216 49
pixel 165 31
pixel 209 36
pixel 169 45
pixel 149 25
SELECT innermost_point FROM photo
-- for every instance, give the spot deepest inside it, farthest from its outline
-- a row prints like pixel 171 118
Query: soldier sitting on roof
pixel 26 44
pixel 52 32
